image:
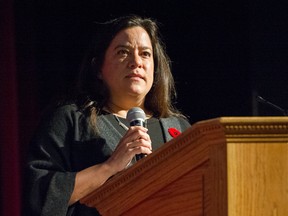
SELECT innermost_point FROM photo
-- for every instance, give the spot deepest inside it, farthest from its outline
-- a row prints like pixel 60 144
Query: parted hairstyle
pixel 159 98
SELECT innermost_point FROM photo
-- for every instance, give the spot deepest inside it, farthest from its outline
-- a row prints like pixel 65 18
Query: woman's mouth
pixel 135 77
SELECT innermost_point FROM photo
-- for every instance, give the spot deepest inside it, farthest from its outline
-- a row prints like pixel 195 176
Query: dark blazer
pixel 64 144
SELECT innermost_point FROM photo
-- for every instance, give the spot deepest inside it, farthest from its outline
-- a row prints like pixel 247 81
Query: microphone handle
pixel 139 156
pixel 262 100
pixel 138 122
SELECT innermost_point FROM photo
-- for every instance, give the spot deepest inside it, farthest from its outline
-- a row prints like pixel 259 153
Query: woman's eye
pixel 123 52
pixel 146 54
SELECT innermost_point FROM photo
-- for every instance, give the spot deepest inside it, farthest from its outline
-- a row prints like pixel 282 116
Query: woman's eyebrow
pixel 121 46
pixel 129 46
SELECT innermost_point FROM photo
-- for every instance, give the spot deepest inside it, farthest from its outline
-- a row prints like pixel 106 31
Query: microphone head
pixel 260 99
pixel 136 114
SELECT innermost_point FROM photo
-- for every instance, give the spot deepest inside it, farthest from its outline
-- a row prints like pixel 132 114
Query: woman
pixel 83 143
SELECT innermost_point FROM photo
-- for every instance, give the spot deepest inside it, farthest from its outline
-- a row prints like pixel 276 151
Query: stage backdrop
pixel 9 133
pixel 18 112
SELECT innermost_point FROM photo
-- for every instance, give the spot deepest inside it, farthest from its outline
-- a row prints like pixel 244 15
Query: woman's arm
pixel 135 141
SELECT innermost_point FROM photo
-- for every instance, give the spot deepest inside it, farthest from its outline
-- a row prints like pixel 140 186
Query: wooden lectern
pixel 236 166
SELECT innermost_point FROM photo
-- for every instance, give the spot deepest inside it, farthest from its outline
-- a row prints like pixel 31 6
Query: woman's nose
pixel 135 61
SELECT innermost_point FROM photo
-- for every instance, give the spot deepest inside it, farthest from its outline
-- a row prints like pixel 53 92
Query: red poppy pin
pixel 174 132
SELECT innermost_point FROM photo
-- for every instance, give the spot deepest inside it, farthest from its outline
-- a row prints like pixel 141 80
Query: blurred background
pixel 224 54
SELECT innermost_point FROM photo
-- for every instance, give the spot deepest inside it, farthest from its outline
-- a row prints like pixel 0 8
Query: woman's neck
pixel 121 110
pixel 115 109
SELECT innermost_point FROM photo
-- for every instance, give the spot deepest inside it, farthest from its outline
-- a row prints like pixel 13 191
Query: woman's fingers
pixel 140 143
pixel 135 141
pixel 136 133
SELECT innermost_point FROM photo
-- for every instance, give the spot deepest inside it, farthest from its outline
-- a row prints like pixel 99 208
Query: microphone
pixel 262 100
pixel 136 116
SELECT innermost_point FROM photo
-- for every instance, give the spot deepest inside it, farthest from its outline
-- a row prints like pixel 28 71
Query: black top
pixel 65 144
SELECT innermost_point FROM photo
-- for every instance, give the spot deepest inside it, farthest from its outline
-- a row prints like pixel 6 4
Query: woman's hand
pixel 135 141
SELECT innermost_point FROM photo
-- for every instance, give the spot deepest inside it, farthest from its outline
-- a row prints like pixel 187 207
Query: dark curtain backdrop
pixel 9 129
pixel 18 112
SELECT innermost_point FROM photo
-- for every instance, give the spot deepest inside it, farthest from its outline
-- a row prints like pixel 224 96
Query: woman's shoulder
pixel 75 105
pixel 61 114
pixel 62 110
pixel 179 118
pixel 182 121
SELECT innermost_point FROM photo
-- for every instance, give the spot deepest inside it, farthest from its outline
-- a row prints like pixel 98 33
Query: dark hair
pixel 159 99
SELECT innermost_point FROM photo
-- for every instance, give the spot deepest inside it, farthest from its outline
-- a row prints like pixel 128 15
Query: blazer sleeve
pixel 49 180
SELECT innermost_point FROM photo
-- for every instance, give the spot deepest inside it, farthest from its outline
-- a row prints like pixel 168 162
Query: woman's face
pixel 128 66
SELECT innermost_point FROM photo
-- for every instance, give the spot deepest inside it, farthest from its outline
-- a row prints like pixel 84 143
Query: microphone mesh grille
pixel 135 113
